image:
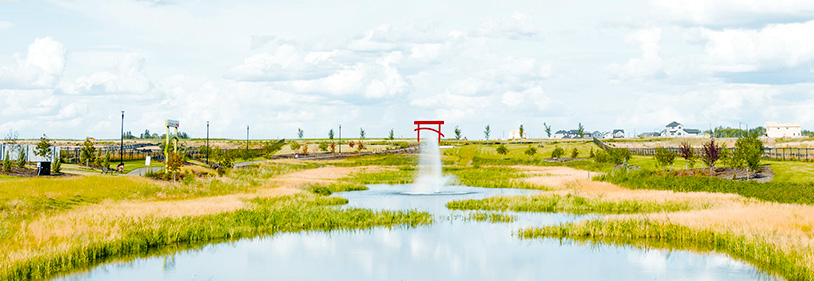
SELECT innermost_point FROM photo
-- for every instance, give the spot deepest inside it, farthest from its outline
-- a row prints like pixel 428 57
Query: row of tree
pixel 747 153
pixel 147 135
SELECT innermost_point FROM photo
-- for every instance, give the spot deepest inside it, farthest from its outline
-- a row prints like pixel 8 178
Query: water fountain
pixel 429 179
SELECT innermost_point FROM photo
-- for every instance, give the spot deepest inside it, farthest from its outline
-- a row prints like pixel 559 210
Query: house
pixel 607 135
pixel 649 134
pixel 597 134
pixel 618 133
pixel 783 130
pixel 675 129
pixel 515 134
pixel 560 134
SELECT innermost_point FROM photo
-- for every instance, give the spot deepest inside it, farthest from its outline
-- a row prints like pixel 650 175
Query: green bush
pixel 21 158
pixel 7 163
pixel 557 152
pixel 574 153
pixel 57 167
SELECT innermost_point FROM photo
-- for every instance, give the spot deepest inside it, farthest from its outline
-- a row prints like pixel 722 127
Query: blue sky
pixel 67 68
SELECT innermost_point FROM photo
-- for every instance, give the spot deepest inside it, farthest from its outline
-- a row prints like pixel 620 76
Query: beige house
pixel 783 130
pixel 515 134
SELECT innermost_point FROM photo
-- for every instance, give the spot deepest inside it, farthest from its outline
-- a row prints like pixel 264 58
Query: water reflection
pixel 447 250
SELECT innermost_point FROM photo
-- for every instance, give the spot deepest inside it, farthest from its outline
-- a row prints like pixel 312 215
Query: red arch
pixel 418 130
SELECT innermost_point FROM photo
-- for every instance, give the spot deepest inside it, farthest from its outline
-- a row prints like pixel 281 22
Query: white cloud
pixel 650 64
pixel 531 96
pixel 287 62
pixel 5 25
pixel 128 79
pixel 518 26
pixel 778 45
pixel 734 12
pixel 41 67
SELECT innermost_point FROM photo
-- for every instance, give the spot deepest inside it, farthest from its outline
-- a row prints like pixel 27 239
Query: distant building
pixel 560 134
pixel 618 133
pixel 783 130
pixel 597 134
pixel 675 129
pixel 515 135
pixel 649 134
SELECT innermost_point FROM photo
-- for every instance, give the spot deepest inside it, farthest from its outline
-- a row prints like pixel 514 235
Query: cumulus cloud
pixel 5 25
pixel 736 12
pixel 41 67
pixel 650 64
pixel 128 79
pixel 287 62
pixel 777 45
pixel 518 26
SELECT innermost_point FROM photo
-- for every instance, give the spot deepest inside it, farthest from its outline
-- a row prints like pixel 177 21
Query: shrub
pixel 21 159
pixel 7 163
pixel 106 162
pixel 502 150
pixel 294 146
pixel 574 153
pixel 57 167
pixel 710 154
pixel 360 146
pixel 305 149
pixel 602 156
pixel 43 148
pixel 619 155
pixel 88 152
pixel 531 151
pixel 749 151
pixel 664 157
pixel 323 146
pixel 686 152
pixel 591 154
pixel 558 152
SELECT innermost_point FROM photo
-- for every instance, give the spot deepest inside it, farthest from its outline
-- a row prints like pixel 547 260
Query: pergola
pixel 419 128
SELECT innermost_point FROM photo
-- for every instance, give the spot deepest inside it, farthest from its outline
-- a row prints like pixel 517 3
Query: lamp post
pixel 121 144
pixel 340 139
pixel 247 139
pixel 207 142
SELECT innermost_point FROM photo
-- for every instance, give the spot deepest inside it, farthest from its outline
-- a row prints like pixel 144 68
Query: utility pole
pixel 121 145
pixel 340 139
pixel 247 138
pixel 207 142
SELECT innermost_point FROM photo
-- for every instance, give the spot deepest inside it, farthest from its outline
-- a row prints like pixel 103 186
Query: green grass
pixel 791 263
pixel 267 216
pixel 781 192
pixel 490 177
pixel 131 165
pixel 400 176
pixel 792 171
pixel 379 160
pixel 327 190
pixel 491 217
pixel 552 203
pixel 5 177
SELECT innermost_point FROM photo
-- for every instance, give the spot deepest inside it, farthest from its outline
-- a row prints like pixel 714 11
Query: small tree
pixel 547 129
pixel 531 151
pixel 323 146
pixel 710 154
pixel 7 163
pixel 581 130
pixel 574 153
pixel 686 152
pixel 305 149
pixel 294 146
pixel 333 148
pixel 88 152
pixel 331 134
pixel 300 133
pixel 359 146
pixel 57 166
pixel 749 151
pixel 457 133
pixel 21 159
pixel 502 150
pixel 487 131
pixel 174 163
pixel 361 133
pixel 591 154
pixel 522 131
pixel 392 135
pixel 664 157
pixel 106 162
pixel 43 148
pixel 557 152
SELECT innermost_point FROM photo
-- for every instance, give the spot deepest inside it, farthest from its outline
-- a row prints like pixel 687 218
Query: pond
pixel 452 248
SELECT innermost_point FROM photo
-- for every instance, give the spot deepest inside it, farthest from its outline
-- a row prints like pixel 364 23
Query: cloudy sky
pixel 69 67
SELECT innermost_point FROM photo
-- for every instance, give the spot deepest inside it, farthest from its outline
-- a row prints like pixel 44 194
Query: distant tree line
pixel 147 135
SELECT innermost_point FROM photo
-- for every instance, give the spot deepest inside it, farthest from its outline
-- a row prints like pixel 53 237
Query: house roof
pixel 692 131
pixel 618 131
pixel 673 124
pixel 561 132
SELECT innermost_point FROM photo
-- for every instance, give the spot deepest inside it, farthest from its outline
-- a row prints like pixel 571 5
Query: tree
pixel 557 152
pixel 294 146
pixel 300 133
pixel 686 152
pixel 581 130
pixel 7 163
pixel 457 133
pixel 392 135
pixel 331 134
pixel 749 151
pixel 487 132
pixel 174 163
pixel 502 150
pixel 305 149
pixel 21 159
pixel 574 153
pixel 323 146
pixel 270 148
pixel 88 152
pixel 710 154
pixel 43 148
pixel 522 131
pixel 106 162
pixel 146 134
pixel 664 157
pixel 361 133
pixel 359 146
pixel 531 151
pixel 57 166
pixel 547 129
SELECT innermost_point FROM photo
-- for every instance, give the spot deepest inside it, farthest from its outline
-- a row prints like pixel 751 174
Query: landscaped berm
pixel 495 211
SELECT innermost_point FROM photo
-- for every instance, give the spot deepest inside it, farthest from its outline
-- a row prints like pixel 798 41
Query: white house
pixel 515 134
pixel 675 129
pixel 618 133
pixel 782 130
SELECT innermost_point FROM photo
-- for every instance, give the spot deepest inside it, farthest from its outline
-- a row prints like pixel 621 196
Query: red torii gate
pixel 418 130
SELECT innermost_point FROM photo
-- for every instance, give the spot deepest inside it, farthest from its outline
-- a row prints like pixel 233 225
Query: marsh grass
pixel 490 177
pixel 401 175
pixel 266 216
pixel 379 160
pixel 553 203
pixel 327 190
pixel 789 262
pixel 491 217
pixel 781 192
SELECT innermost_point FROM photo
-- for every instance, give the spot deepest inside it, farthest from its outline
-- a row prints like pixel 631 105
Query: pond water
pixel 452 248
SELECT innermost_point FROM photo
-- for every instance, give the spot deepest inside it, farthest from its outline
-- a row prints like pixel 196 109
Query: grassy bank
pixel 781 192
pixel 266 216
pixel 789 262
pixel 552 203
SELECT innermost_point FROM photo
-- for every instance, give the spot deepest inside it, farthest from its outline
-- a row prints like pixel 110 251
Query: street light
pixel 340 139
pixel 247 139
pixel 207 142
pixel 121 145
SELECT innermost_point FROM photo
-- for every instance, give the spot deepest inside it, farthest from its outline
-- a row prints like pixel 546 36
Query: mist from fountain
pixel 430 179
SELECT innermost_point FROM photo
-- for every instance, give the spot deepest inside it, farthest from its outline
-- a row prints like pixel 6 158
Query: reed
pixel 266 216
pixel 553 203
pixel 491 177
pixel 792 263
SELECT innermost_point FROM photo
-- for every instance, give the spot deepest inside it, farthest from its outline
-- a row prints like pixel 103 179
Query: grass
pixel 379 160
pixel 266 216
pixel 131 165
pixel 792 171
pixel 399 176
pixel 490 217
pixel 327 190
pixel 789 262
pixel 781 192
pixel 553 203
pixel 490 177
